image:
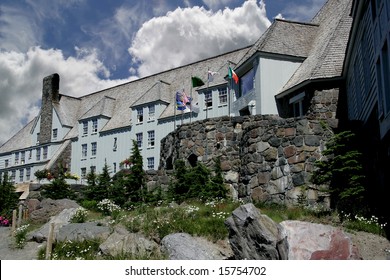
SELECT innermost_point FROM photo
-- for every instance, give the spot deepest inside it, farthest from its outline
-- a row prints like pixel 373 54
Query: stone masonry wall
pixel 265 158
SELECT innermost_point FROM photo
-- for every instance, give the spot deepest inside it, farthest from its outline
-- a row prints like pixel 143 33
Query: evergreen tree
pixel 179 188
pixel 217 187
pixel 58 188
pixel 343 171
pixel 135 183
pixel 89 190
pixel 103 185
pixel 8 197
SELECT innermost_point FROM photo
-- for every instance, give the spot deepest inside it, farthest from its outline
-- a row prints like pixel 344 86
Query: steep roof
pixel 104 107
pixel 285 38
pixel 326 57
pixel 20 140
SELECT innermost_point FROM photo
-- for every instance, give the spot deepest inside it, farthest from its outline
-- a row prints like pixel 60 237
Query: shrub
pixel 80 216
pixel 20 236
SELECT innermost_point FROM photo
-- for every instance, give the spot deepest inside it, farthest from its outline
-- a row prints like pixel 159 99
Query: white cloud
pixel 190 34
pixel 21 82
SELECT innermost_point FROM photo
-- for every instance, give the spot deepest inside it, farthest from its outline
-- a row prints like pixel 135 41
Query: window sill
pixel 222 105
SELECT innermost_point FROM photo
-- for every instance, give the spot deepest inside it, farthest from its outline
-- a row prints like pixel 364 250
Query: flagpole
pixel 230 91
pixel 175 104
pixel 191 102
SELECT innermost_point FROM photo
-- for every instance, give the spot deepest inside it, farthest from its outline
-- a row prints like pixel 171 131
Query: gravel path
pixel 7 252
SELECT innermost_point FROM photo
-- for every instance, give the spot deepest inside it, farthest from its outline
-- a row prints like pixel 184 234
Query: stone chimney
pixel 50 95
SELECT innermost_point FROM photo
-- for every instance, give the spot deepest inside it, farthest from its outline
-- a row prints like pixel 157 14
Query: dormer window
pixel 208 99
pixel 85 128
pixel 140 115
pixel 16 158
pixel 55 133
pixel 94 126
pixel 152 111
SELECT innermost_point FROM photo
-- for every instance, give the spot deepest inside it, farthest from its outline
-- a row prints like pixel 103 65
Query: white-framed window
pixel 83 172
pixel 13 175
pixel 151 139
pixel 30 154
pixel 45 152
pixel 208 99
pixel 85 127
pixel 6 163
pixel 21 175
pixel 115 147
pixel 28 173
pixel 93 148
pixel 139 139
pixel 38 154
pixel 38 138
pixel 114 164
pixel 16 158
pixel 247 82
pixel 55 133
pixel 84 150
pixel 23 157
pixel 140 115
pixel 93 169
pixel 94 126
pixel 222 96
pixel 152 112
pixel 151 163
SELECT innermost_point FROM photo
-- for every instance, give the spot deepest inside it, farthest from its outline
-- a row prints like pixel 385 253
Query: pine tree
pixel 135 183
pixel 343 171
pixel 8 196
pixel 89 191
pixel 103 185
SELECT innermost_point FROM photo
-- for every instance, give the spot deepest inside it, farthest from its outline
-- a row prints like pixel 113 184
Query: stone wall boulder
pixel 183 246
pixel 255 236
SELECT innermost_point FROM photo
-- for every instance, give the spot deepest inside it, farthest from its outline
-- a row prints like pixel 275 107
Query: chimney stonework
pixel 50 95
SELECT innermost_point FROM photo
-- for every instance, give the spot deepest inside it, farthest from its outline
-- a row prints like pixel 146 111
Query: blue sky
pixel 98 44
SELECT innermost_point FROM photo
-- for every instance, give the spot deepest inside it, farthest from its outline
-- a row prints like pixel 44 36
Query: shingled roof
pixel 326 56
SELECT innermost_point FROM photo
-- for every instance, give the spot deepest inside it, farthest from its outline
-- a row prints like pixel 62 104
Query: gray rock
pixel 59 220
pixel 182 246
pixel 82 232
pixel 121 242
pixel 49 207
pixel 255 236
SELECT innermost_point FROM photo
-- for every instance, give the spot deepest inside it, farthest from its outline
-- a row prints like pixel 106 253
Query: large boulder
pixel 59 220
pixel 183 246
pixel 82 232
pixel 122 242
pixel 49 207
pixel 255 236
pixel 310 241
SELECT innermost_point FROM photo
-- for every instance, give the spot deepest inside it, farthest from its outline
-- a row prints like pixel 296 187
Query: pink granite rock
pixel 310 241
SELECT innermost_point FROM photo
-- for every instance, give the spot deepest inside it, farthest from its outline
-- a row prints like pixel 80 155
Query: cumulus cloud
pixel 186 35
pixel 21 82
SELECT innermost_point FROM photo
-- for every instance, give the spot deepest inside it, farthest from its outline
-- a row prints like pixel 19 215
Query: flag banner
pixel 210 75
pixel 197 82
pixel 233 75
pixel 183 102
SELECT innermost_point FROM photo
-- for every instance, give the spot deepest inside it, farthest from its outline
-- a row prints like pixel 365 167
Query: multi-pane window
pixel 38 154
pixel 297 104
pixel 93 148
pixel 45 151
pixel 13 175
pixel 16 158
pixel 208 99
pixel 140 115
pixel 38 138
pixel 93 169
pixel 139 139
pixel 151 138
pixel 94 126
pixel 84 150
pixel 222 96
pixel 85 128
pixel 6 163
pixel 28 173
pixel 55 133
pixel 30 154
pixel 83 172
pixel 152 112
pixel 23 157
pixel 21 175
pixel 151 163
